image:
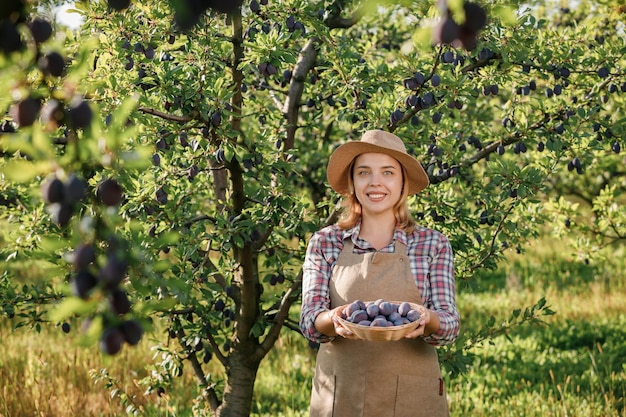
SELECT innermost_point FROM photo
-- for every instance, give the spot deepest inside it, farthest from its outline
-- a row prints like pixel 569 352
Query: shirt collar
pixel 353 233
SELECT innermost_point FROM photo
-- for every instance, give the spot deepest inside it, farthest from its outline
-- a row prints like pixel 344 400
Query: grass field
pixel 573 366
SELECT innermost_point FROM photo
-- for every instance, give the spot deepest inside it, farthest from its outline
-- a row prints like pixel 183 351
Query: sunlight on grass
pixel 573 366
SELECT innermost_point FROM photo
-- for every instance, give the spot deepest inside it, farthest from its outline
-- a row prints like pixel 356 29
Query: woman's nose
pixel 375 179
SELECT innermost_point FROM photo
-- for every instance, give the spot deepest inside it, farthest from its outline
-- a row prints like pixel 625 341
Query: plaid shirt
pixel 432 264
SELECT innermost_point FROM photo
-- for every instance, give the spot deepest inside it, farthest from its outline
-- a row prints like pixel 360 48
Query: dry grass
pixel 48 375
pixel 573 367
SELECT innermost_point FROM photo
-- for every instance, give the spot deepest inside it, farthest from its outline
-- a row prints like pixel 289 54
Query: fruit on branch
pixel 111 341
pixel 161 196
pixel 267 69
pixel 113 271
pixel 446 31
pixel 110 192
pixel 187 13
pixel 80 113
pixel 82 283
pixel 216 118
pixel 119 4
pixel 119 302
pixel 40 29
pixel 615 147
pixel 192 172
pixel 75 189
pixel 52 63
pixel 449 32
pixel 10 36
pixel 84 255
pixel 62 197
pixel 25 111
pixel 132 331
pixel 52 190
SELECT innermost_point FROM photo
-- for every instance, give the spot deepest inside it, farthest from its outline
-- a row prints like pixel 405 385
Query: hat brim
pixel 339 163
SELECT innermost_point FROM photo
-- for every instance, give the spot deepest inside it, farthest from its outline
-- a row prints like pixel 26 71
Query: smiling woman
pixel 377 251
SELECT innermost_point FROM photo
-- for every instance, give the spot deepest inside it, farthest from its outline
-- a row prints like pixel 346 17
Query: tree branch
pixel 208 391
pixel 166 116
pixel 492 246
pixel 286 302
pixel 489 149
pixel 336 21
pixel 306 61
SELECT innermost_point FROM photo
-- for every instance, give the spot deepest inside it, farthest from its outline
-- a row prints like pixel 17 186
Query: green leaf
pixel 257 329
pixel 24 171
pixel 52 244
pixel 506 15
pixel 69 307
pixel 168 238
pixel 162 265
pixel 146 308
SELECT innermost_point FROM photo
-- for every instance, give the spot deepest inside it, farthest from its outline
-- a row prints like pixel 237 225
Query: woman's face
pixel 377 181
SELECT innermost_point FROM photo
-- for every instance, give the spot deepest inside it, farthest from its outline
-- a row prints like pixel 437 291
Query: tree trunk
pixel 239 389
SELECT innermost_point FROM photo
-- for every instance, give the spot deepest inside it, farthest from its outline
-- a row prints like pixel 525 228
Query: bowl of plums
pixel 381 320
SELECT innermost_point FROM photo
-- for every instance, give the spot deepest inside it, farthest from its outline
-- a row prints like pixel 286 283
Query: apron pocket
pixel 421 396
pixel 380 394
pixel 322 396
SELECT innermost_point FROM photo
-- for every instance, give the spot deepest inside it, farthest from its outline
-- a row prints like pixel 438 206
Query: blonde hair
pixel 352 210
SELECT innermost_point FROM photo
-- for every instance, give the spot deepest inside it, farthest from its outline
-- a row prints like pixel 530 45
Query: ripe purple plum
pixel 413 315
pixel 385 308
pixel 111 341
pixel 404 308
pixel 357 316
pixel 372 310
pixel 379 322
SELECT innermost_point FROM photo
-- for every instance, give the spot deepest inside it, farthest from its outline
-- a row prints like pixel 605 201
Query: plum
pixel 385 308
pixel 357 316
pixel 372 310
pixel 404 308
pixel 413 315
pixel 379 322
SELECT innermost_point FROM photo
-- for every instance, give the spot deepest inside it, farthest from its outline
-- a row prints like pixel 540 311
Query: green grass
pixel 572 366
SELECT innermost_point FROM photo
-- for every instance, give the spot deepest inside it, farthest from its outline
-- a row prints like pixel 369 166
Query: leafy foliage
pixel 215 136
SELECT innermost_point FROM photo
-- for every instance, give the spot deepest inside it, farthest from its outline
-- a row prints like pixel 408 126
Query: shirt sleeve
pixel 443 294
pixel 316 274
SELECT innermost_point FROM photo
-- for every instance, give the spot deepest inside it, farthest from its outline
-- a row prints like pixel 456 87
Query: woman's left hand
pixel 424 321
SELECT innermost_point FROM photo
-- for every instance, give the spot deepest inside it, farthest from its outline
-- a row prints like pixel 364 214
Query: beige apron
pixel 356 378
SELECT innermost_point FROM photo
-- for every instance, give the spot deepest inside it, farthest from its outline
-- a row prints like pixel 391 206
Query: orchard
pixel 163 166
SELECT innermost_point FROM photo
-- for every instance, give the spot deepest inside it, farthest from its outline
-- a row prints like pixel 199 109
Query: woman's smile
pixel 376 196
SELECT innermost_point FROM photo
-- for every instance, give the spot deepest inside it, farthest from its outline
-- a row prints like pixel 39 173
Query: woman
pixel 376 251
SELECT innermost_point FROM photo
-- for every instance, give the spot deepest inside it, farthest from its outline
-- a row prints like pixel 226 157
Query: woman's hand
pixel 339 329
pixel 429 324
pixel 327 323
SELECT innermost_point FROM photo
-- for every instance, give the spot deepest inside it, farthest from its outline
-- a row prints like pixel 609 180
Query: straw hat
pixel 377 141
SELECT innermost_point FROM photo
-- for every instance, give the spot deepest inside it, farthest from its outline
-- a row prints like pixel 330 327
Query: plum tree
pixel 248 100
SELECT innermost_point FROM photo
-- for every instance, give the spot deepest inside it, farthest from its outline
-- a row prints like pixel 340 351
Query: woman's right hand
pixel 339 329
